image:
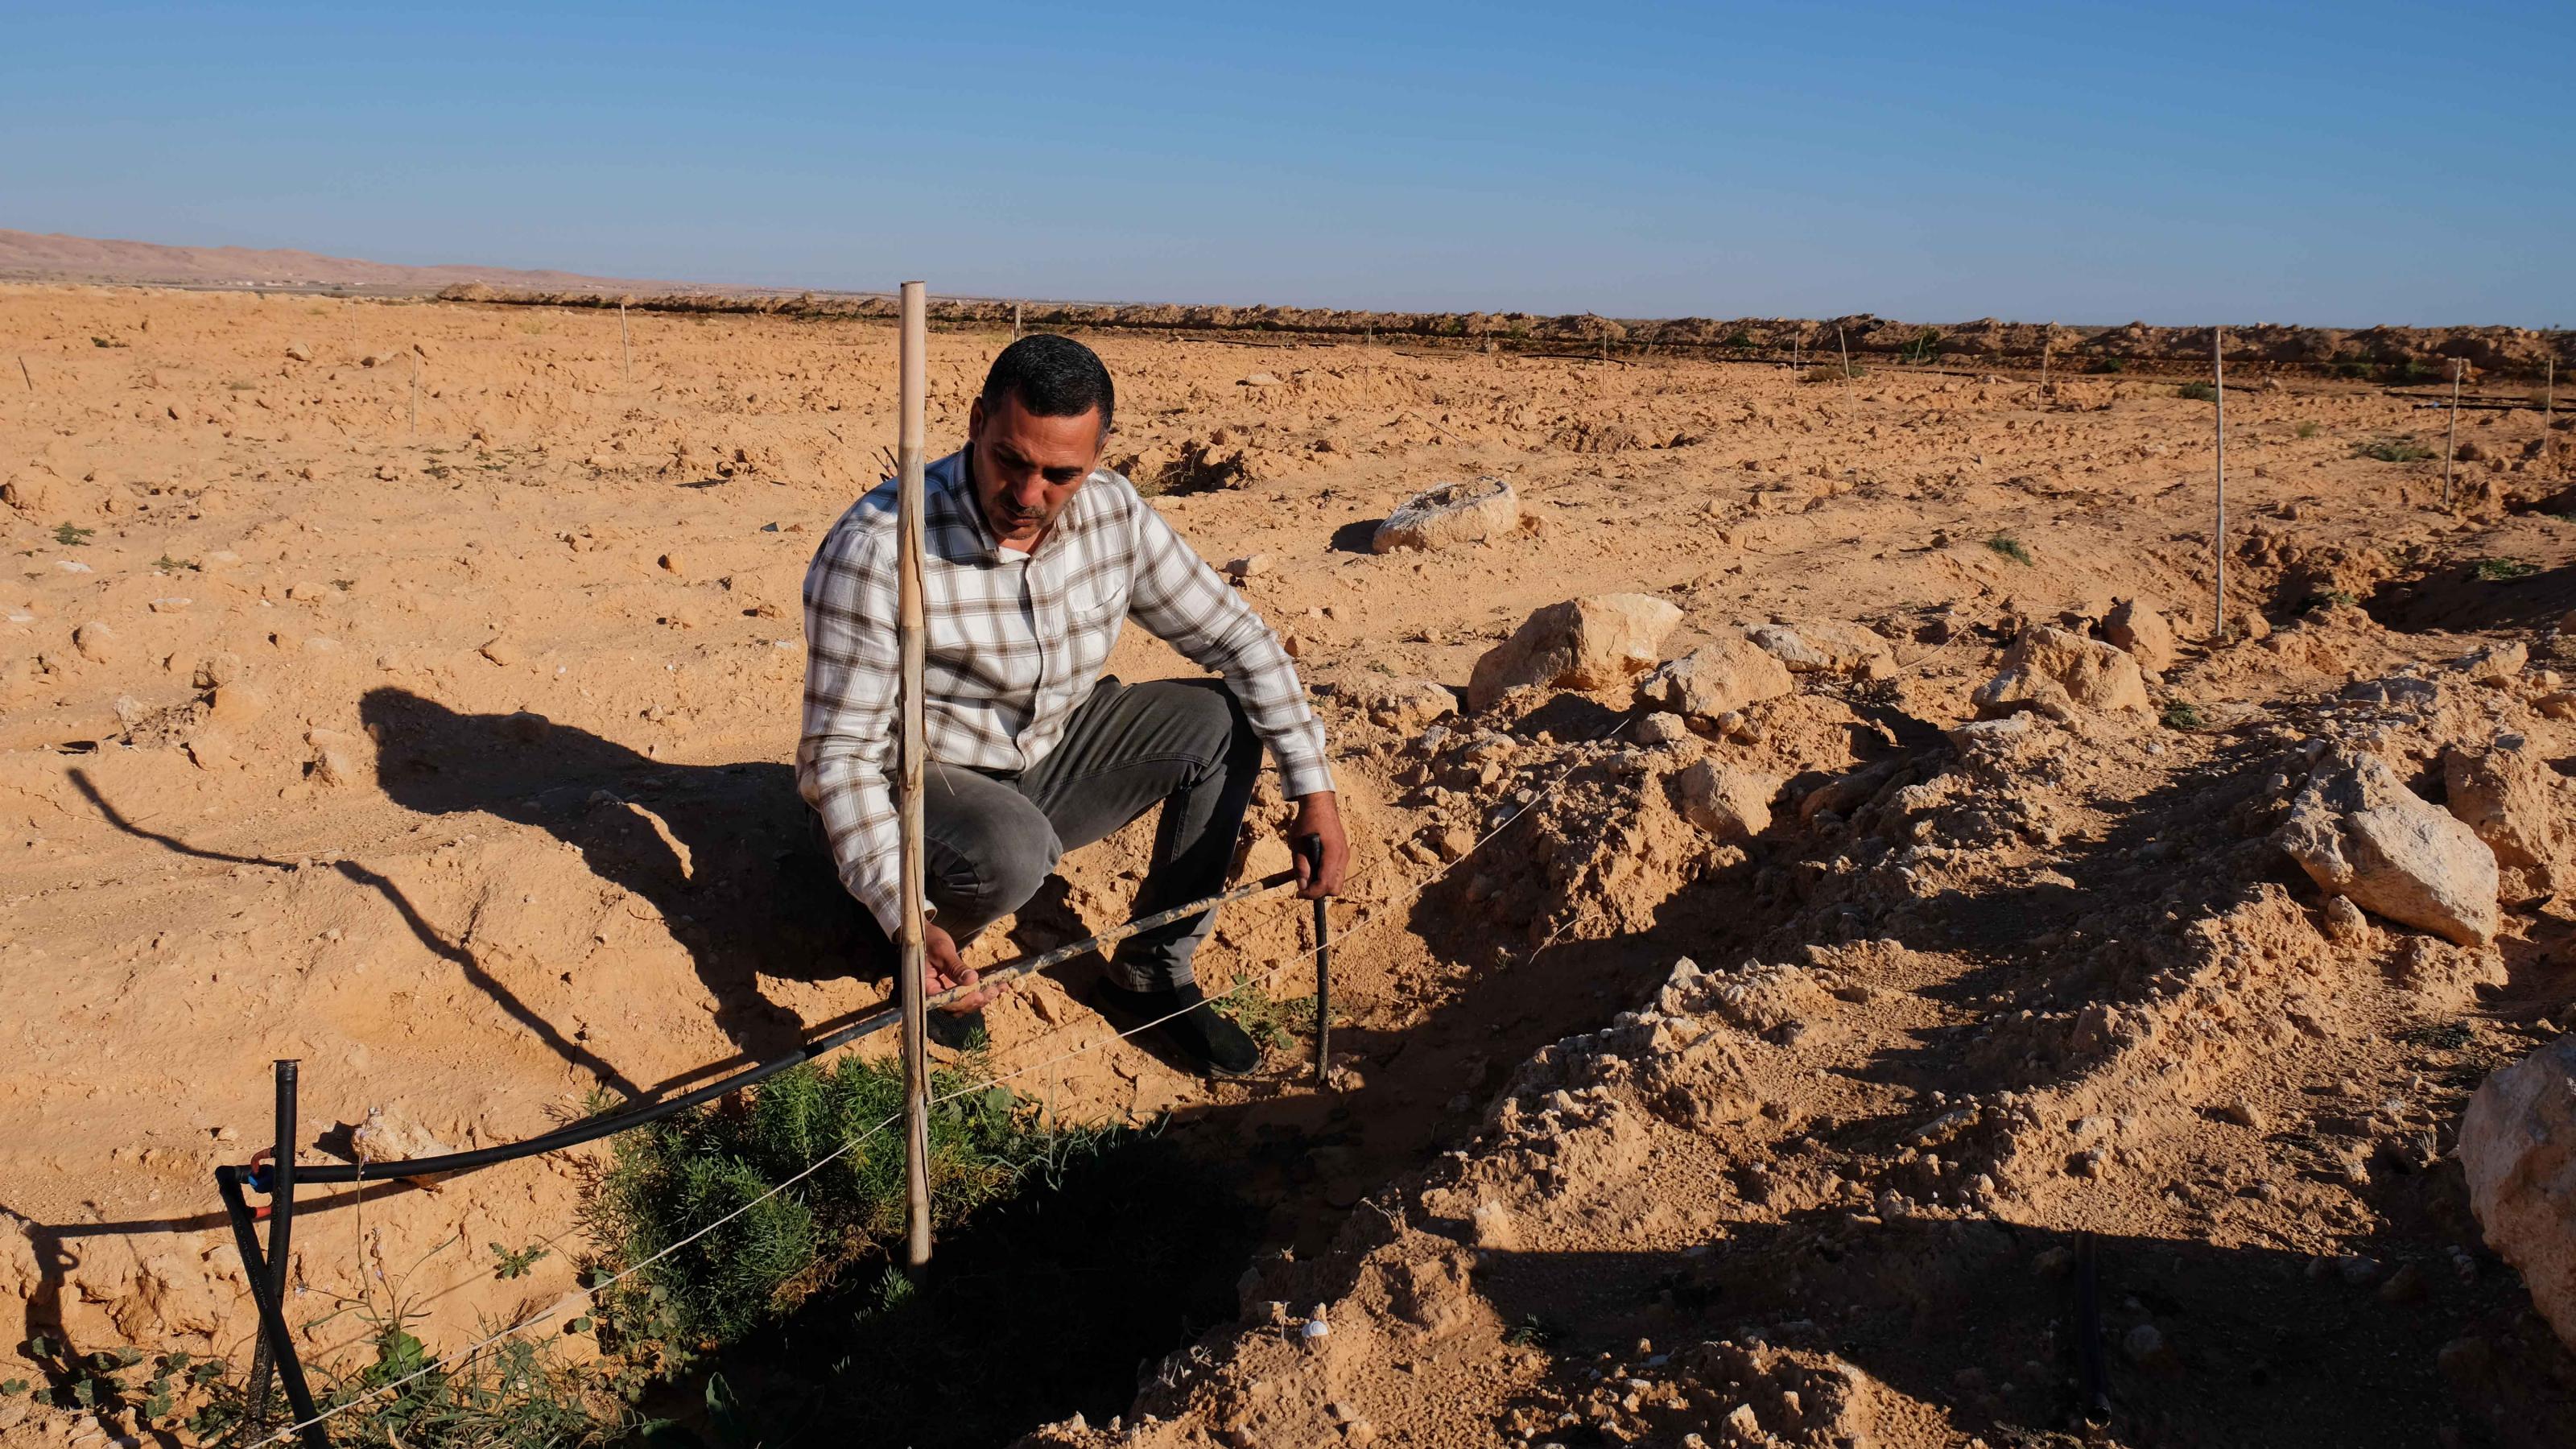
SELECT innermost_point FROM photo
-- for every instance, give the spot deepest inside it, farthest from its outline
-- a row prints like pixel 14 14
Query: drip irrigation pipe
pixel 265 1177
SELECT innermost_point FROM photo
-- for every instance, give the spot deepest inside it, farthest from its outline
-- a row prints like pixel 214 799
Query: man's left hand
pixel 1320 814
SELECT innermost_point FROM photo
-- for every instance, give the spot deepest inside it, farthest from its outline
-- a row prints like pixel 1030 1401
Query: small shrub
pixel 2505 570
pixel 1739 338
pixel 2010 547
pixel 517 1262
pixel 2393 450
pixel 2308 429
pixel 2180 715
pixel 1531 1332
pixel 72 535
pixel 2198 391
pixel 2330 597
pixel 1831 372
pixel 108 342
pixel 1268 1020
pixel 2108 364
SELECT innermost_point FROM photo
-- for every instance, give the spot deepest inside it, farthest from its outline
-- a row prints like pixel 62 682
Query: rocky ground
pixel 1907 921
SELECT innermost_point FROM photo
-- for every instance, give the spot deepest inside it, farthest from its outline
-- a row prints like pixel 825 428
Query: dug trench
pixel 454 765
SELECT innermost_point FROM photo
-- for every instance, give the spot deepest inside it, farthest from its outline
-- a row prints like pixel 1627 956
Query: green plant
pixel 2505 570
pixel 2393 450
pixel 2181 715
pixel 1738 338
pixel 1531 1331
pixel 815 1134
pixel 169 565
pixel 1270 1021
pixel 2108 364
pixel 517 1394
pixel 1920 350
pixel 2447 1035
pixel 1831 372
pixel 2331 596
pixel 72 535
pixel 2308 429
pixel 2010 547
pixel 108 342
pixel 516 1262
pixel 2197 392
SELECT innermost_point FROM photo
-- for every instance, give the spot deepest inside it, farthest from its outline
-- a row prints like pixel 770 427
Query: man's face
pixel 1027 467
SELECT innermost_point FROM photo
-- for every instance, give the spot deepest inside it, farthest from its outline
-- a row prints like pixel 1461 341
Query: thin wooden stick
pixel 1846 351
pixel 2047 344
pixel 2451 444
pixel 1015 321
pixel 415 394
pixel 625 347
pixel 913 388
pixel 2218 533
pixel 24 373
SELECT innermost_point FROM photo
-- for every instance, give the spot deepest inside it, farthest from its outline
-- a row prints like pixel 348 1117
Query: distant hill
pixel 27 256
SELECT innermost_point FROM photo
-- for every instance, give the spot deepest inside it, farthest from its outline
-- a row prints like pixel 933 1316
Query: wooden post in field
pixel 415 393
pixel 914 385
pixel 2218 532
pixel 1845 348
pixel 2451 444
pixel 625 348
pixel 1015 321
pixel 2047 344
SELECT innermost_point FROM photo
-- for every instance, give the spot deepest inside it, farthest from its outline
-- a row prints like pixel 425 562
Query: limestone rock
pixel 1587 643
pixel 1715 678
pixel 2518 1151
pixel 2066 677
pixel 2135 626
pixel 299 352
pixel 2359 832
pixel 1660 728
pixel 2509 797
pixel 1825 648
pixel 1728 804
pixel 1450 515
pixel 96 643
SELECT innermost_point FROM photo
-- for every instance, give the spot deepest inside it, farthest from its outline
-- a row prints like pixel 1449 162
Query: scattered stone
pixel 1258 379
pixel 299 352
pixel 1826 647
pixel 2359 832
pixel 2518 1152
pixel 1406 704
pixel 1248 565
pixel 2497 664
pixel 2345 922
pixel 1483 510
pixel 97 643
pixel 2245 1114
pixel 502 651
pixel 2066 677
pixel 2249 627
pixel 237 703
pixel 672 562
pixel 1587 643
pixel 1728 804
pixel 2509 797
pixel 2145 1346
pixel 2135 626
pixel 1661 728
pixel 1717 679
pixel 2406 1285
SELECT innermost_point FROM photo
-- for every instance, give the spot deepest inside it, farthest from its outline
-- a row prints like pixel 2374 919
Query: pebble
pixel 1248 565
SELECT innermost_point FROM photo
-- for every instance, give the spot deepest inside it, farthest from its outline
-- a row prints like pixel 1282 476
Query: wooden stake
pixel 2451 444
pixel 23 373
pixel 1015 321
pixel 2047 344
pixel 913 388
pixel 415 394
pixel 625 347
pixel 1845 348
pixel 2218 530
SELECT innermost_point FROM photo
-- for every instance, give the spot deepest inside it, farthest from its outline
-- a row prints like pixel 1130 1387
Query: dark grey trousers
pixel 993 838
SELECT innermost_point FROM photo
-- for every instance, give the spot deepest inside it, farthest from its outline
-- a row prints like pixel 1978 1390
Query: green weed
pixel 2108 364
pixel 1531 1332
pixel 108 342
pixel 2308 429
pixel 2010 547
pixel 2505 570
pixel 1268 1020
pixel 2197 392
pixel 2180 715
pixel 169 565
pixel 517 1262
pixel 72 535
pixel 2393 450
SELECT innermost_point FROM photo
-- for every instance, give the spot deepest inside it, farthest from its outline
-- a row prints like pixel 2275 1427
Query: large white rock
pixel 1715 678
pixel 2518 1151
pixel 2135 626
pixel 2066 677
pixel 1825 647
pixel 1449 515
pixel 2359 832
pixel 1587 643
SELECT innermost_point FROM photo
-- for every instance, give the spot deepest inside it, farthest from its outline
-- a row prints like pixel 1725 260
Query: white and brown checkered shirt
pixel 1015 644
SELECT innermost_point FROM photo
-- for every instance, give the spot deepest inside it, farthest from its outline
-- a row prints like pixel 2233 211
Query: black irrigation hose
pixel 875 1021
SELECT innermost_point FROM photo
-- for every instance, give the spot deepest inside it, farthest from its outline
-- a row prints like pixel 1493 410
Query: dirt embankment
pixel 2403 354
pixel 452 760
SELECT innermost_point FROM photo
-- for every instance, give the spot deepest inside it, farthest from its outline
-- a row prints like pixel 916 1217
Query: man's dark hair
pixel 1053 377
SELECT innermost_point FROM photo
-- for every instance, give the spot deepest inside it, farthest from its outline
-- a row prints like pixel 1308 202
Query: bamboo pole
pixel 2451 444
pixel 913 388
pixel 2218 532
pixel 625 348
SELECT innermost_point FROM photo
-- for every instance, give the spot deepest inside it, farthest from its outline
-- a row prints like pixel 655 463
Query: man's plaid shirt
pixel 1015 644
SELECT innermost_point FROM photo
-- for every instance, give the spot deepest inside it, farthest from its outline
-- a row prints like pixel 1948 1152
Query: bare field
pixel 452 758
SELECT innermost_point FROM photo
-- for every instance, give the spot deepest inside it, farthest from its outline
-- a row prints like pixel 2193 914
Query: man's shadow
pixel 725 853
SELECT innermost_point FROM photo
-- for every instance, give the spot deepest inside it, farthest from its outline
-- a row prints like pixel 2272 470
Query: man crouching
pixel 1034 558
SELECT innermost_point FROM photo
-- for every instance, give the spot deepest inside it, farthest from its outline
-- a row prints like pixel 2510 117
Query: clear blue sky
pixel 2333 163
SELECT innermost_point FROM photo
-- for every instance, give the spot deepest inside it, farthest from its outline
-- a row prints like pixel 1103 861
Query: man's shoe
pixel 956 1030
pixel 1204 1039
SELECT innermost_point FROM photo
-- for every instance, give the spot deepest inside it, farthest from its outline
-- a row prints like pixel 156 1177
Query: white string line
pixel 589 1295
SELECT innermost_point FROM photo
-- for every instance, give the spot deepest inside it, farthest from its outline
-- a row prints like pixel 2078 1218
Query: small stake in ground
pixel 23 373
pixel 2450 444
pixel 625 348
pixel 2047 344
pixel 914 384
pixel 2218 530
pixel 1015 321
pixel 415 394
pixel 1845 349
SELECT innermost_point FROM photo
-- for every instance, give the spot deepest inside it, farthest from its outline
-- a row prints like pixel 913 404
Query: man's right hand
pixel 942 968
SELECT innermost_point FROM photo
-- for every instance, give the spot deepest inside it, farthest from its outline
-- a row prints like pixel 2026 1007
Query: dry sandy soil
pixel 452 760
